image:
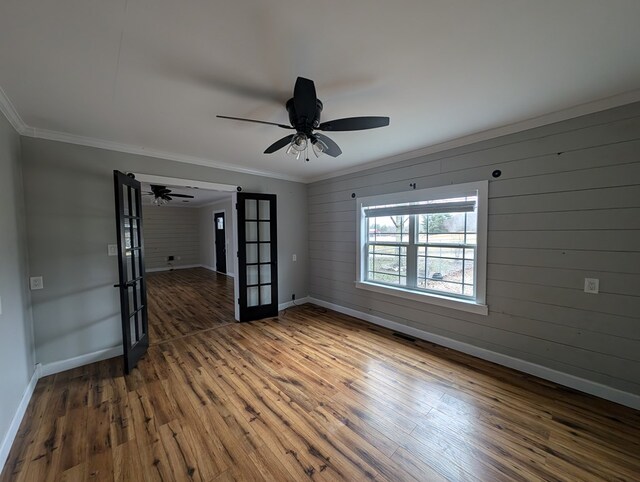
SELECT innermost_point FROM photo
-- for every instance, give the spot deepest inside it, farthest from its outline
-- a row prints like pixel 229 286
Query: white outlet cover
pixel 36 283
pixel 112 249
pixel 591 285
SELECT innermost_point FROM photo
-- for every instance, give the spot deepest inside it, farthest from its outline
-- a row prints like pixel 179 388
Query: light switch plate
pixel 591 285
pixel 294 258
pixel 112 249
pixel 35 282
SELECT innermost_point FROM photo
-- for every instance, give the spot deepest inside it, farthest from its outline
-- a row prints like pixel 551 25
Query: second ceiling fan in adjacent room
pixel 162 194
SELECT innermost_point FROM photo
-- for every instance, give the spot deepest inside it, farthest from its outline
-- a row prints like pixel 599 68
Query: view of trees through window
pixel 432 252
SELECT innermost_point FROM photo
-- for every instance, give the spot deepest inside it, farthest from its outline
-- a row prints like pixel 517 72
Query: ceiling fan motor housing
pixel 303 125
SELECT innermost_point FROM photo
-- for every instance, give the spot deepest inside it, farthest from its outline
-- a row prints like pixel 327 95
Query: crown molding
pixel 142 151
pixel 539 121
pixel 10 112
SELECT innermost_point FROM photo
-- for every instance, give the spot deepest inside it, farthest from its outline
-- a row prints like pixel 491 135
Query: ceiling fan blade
pixel 182 195
pixel 332 149
pixel 279 144
pixel 254 121
pixel 304 99
pixel 168 198
pixel 155 189
pixel 354 124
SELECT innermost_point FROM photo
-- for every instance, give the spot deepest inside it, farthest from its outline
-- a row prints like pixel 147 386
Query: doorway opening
pixel 187 292
pixel 220 241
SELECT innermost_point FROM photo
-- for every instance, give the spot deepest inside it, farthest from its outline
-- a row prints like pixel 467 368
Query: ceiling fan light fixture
pixel 297 146
pixel 291 151
pixel 319 147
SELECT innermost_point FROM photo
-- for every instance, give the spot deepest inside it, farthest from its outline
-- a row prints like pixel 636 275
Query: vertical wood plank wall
pixel 566 207
pixel 171 231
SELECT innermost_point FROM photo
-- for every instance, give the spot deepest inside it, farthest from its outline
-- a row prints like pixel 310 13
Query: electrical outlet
pixel 294 258
pixel 112 249
pixel 293 297
pixel 35 282
pixel 591 285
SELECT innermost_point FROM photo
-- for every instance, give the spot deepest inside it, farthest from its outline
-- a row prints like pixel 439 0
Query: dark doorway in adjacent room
pixel 220 241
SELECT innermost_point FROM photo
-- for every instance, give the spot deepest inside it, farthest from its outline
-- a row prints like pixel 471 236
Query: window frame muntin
pixel 479 188
pixel 412 247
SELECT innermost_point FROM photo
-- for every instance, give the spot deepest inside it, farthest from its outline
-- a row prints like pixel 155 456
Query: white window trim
pixel 478 305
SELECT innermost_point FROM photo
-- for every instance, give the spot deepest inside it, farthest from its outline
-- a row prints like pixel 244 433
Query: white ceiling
pixel 201 197
pixel 153 74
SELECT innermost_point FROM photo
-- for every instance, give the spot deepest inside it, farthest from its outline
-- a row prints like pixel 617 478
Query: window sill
pixel 433 299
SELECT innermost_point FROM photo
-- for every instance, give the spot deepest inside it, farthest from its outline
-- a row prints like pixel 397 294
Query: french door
pixel 257 256
pixel 132 285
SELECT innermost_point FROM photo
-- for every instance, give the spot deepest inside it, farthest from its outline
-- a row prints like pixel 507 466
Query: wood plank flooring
pixel 185 301
pixel 314 395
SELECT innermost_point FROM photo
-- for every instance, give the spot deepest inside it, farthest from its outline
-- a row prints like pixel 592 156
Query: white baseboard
pixel 41 371
pixel 211 268
pixel 10 436
pixel 78 361
pixel 169 268
pixel 577 383
pixel 289 304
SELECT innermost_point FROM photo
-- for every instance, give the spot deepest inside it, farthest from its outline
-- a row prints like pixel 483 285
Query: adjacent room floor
pixel 316 395
pixel 186 301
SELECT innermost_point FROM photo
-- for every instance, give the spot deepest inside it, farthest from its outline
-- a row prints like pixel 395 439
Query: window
pixel 428 245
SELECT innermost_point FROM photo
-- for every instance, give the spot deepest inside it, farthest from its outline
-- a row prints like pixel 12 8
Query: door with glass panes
pixel 132 284
pixel 257 256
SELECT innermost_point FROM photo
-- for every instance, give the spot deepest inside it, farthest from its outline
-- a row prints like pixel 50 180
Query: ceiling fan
pixel 161 194
pixel 304 110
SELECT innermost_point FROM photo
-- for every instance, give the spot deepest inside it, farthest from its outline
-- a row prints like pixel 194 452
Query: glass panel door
pixel 132 286
pixel 257 256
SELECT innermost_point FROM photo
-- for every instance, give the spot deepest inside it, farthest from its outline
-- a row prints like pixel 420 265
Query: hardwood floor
pixel 315 395
pixel 185 301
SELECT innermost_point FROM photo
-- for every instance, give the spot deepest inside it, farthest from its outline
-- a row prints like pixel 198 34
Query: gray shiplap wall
pixel 566 207
pixel 171 231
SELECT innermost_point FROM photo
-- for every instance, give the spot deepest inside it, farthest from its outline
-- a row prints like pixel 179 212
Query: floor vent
pixel 404 337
